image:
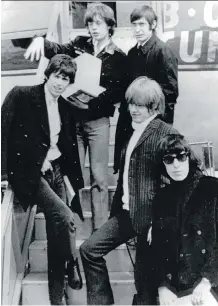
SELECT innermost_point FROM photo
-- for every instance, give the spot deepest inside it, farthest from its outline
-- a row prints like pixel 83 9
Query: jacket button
pixel 25 135
pixel 199 232
pixel 203 251
pixel 181 255
pixel 18 153
pixel 185 235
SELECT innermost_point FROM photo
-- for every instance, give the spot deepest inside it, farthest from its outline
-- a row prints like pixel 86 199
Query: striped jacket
pixel 144 177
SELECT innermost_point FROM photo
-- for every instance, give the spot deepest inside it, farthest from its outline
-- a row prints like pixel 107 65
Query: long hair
pixel 146 92
pixel 176 143
pixel 104 11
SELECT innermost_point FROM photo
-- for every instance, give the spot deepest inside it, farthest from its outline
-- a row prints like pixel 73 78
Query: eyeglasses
pixel 169 158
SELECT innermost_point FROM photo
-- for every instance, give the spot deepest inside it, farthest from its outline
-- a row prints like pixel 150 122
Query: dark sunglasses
pixel 169 158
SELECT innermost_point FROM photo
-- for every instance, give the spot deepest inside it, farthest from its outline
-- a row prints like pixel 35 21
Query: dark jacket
pixel 144 179
pixel 113 74
pixel 184 234
pixel 26 141
pixel 156 61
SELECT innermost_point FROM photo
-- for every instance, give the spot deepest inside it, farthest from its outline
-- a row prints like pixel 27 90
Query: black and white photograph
pixel 109 153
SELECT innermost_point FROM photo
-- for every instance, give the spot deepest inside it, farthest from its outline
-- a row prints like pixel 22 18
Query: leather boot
pixel 74 275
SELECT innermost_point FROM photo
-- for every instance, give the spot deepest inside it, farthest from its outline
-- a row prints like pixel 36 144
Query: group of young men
pixel 46 138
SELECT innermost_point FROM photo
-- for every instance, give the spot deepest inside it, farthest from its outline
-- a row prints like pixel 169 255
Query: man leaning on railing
pixel 40 148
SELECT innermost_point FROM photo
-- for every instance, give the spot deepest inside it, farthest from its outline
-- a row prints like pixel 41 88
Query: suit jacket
pixel 144 178
pixel 26 141
pixel 185 242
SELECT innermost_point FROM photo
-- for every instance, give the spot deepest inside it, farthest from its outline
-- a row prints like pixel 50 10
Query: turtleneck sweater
pixel 138 130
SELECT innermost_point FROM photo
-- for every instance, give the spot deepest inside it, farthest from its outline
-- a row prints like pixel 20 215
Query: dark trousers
pixel 51 198
pixel 113 233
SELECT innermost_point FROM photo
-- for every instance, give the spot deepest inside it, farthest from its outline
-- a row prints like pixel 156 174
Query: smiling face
pixel 177 166
pixel 57 83
pixel 139 113
pixel 142 30
pixel 98 28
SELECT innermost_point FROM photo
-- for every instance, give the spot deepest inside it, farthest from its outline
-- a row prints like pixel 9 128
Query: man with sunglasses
pixel 138 182
pixel 184 248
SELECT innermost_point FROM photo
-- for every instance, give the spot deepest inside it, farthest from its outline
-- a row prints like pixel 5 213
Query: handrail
pixel 6 209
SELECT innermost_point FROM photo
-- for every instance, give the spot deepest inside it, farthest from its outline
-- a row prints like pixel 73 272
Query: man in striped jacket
pixel 138 182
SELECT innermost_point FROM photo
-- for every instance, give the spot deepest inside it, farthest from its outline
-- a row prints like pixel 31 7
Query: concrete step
pixel 86 197
pixel 117 260
pixel 111 153
pixel 83 229
pixel 112 178
pixel 35 290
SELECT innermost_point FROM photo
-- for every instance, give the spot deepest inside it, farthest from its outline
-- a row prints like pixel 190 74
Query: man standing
pixel 39 140
pixel 152 58
pixel 138 182
pixel 93 124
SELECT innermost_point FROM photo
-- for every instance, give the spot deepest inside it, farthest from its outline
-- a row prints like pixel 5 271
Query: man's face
pixel 57 83
pixel 178 168
pixel 98 29
pixel 141 30
pixel 139 113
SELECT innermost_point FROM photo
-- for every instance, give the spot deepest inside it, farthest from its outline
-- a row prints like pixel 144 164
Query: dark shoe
pixel 74 275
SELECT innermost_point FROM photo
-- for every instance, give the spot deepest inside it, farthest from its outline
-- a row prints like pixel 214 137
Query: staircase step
pixel 112 178
pixel 86 197
pixel 117 260
pixel 83 229
pixel 35 290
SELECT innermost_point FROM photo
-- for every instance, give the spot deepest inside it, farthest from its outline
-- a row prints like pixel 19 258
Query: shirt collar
pixel 109 47
pixel 141 45
pixel 139 127
pixel 148 44
pixel 48 97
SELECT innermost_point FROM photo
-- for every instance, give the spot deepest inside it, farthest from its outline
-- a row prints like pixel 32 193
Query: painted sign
pixel 191 29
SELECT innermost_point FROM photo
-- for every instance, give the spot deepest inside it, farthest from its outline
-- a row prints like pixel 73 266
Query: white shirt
pixel 54 124
pixel 138 130
pixel 97 49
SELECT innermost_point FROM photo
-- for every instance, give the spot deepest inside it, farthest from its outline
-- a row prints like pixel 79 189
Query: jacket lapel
pixel 39 104
pixel 153 125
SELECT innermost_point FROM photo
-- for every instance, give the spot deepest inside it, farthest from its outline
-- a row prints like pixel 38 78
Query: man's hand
pixel 46 166
pixel 200 292
pixel 79 104
pixel 166 296
pixel 35 49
